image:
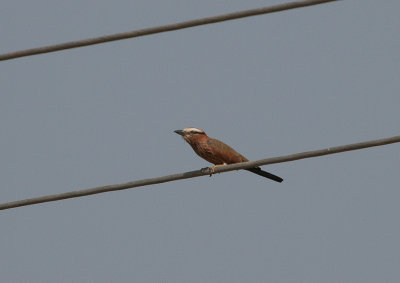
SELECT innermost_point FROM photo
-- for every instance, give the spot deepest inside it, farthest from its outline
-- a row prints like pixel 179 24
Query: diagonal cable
pixel 202 172
pixel 159 29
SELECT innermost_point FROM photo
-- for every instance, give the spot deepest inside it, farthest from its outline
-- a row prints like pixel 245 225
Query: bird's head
pixel 190 133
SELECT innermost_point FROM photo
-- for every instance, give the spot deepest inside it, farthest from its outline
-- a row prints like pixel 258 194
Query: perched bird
pixel 217 152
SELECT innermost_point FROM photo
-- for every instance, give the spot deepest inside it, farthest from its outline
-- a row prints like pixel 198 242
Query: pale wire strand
pixel 159 29
pixel 202 172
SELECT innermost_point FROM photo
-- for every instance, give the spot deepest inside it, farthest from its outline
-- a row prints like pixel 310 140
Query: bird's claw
pixel 212 170
pixel 208 170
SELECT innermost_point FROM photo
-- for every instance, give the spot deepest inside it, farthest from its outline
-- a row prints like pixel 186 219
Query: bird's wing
pixel 224 153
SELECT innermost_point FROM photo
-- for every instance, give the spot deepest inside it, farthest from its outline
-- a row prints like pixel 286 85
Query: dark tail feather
pixel 265 174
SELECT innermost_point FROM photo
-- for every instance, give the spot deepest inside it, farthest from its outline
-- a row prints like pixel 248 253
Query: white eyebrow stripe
pixel 193 130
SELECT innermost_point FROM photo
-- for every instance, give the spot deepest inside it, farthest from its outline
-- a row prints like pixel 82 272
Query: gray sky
pixel 269 85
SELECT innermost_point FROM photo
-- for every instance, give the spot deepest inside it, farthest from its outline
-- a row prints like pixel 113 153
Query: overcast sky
pixel 269 85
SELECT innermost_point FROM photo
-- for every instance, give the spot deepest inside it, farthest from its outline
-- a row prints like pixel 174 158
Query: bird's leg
pixel 212 168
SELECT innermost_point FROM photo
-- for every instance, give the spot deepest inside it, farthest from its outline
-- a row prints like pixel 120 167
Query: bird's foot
pixel 212 168
pixel 208 170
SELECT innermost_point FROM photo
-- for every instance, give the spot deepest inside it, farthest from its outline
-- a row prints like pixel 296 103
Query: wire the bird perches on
pixel 197 173
pixel 159 29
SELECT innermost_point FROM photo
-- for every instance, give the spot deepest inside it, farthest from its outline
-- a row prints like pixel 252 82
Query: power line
pixel 159 29
pixel 202 172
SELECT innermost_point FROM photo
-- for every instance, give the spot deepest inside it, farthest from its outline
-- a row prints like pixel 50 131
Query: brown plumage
pixel 217 152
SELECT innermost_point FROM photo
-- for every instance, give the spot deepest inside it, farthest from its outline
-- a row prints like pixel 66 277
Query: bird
pixel 217 152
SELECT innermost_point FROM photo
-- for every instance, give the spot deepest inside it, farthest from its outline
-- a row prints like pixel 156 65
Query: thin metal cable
pixel 202 172
pixel 159 29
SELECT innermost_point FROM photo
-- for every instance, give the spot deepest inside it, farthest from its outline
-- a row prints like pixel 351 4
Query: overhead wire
pixel 160 29
pixel 198 173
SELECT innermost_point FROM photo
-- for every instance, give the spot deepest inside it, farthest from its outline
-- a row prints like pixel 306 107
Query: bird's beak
pixel 179 132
